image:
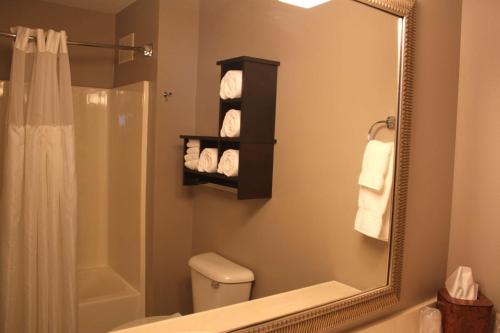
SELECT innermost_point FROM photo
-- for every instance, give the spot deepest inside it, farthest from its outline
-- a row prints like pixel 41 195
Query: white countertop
pixel 256 311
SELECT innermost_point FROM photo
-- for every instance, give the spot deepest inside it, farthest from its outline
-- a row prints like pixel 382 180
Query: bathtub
pixel 106 300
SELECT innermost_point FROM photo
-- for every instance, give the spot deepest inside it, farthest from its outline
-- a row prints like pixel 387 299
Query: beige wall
pixel 475 231
pixel 90 67
pixel 304 235
pixel 169 234
pixel 141 18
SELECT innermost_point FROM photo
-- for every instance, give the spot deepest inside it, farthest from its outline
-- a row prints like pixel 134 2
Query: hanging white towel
pixel 231 124
pixel 193 165
pixel 375 164
pixel 231 85
pixel 229 163
pixel 193 143
pixel 208 160
pixel 374 210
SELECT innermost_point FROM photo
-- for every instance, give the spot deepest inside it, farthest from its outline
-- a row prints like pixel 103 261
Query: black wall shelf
pixel 256 141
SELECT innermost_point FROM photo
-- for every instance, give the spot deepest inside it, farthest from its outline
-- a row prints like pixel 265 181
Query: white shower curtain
pixel 38 198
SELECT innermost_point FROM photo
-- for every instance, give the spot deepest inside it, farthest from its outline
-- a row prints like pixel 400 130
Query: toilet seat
pixel 144 321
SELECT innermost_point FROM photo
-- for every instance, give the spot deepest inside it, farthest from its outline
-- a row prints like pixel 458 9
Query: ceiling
pixel 105 6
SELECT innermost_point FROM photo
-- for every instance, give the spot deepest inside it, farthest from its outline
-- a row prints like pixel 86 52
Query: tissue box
pixel 461 316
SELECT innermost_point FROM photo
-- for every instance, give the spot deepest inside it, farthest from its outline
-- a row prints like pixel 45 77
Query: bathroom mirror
pixel 345 71
pixel 344 78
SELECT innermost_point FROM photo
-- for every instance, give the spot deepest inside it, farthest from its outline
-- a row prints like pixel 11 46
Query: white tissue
pixel 430 320
pixel 461 285
pixel 231 85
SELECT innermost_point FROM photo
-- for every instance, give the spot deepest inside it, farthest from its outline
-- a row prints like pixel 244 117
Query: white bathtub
pixel 106 300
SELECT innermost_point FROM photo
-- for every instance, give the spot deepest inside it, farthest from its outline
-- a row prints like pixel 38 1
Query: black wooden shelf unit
pixel 256 140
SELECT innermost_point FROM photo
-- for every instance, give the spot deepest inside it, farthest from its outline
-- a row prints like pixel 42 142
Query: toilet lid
pixel 144 321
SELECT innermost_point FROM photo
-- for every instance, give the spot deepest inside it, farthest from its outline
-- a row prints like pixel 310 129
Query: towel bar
pixel 390 123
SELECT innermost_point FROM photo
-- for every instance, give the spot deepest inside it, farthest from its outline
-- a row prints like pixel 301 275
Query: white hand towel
pixel 193 165
pixel 193 143
pixel 193 150
pixel 231 124
pixel 208 160
pixel 374 211
pixel 375 164
pixel 191 157
pixel 229 163
pixel 231 85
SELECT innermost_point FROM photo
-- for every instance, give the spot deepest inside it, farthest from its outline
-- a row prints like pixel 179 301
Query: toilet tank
pixel 217 281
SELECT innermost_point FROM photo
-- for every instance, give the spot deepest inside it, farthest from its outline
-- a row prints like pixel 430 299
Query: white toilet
pixel 218 282
pixel 215 281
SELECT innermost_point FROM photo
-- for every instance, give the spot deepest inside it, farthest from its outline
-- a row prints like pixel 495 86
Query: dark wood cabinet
pixel 256 141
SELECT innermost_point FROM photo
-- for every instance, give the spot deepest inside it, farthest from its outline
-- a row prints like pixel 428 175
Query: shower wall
pixel 127 148
pixel 91 127
pixel 110 153
pixel 111 147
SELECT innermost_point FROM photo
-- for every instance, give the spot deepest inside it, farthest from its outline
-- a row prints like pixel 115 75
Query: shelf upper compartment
pixel 216 138
pixel 248 59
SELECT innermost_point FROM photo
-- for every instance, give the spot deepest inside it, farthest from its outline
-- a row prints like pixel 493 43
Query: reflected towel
pixel 191 157
pixel 208 160
pixel 374 209
pixel 231 124
pixel 229 163
pixel 375 164
pixel 193 164
pixel 193 143
pixel 193 150
pixel 231 85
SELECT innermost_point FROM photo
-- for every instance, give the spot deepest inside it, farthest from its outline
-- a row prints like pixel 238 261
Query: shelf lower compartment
pixel 193 177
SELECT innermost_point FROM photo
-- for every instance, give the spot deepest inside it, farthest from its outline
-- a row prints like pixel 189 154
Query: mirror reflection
pixel 338 75
pixel 161 235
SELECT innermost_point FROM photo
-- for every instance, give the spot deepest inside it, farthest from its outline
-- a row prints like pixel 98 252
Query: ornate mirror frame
pixel 338 312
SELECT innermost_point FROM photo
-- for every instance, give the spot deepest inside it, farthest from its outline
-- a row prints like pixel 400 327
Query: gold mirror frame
pixel 339 312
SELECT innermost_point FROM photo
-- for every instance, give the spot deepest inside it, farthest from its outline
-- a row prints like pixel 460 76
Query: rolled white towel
pixel 193 150
pixel 229 163
pixel 231 85
pixel 231 124
pixel 193 165
pixel 193 143
pixel 208 160
pixel 191 157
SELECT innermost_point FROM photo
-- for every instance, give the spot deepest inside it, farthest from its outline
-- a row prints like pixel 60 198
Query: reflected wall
pixel 338 75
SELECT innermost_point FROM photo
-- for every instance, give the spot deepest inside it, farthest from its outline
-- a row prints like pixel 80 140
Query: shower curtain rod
pixel 147 50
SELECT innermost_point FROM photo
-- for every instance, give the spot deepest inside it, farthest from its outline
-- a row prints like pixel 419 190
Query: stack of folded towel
pixel 208 160
pixel 192 157
pixel 229 163
pixel 231 124
pixel 231 85
pixel 374 205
